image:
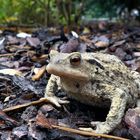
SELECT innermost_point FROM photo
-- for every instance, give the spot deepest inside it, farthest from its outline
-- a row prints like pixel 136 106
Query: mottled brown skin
pixel 94 78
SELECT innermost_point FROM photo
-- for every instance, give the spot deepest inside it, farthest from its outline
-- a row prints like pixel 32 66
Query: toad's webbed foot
pixel 57 101
pixel 100 127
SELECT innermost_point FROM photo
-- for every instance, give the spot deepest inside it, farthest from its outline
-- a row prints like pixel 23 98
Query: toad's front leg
pixel 51 88
pixel 115 114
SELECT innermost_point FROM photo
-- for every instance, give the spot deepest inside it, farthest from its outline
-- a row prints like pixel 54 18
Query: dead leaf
pixel 101 41
pixel 33 41
pixel 11 72
pixel 44 122
pixel 39 73
pixel 6 121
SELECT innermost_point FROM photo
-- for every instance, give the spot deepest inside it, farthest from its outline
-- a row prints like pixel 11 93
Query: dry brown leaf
pixel 39 73
pixel 101 44
pixel 11 72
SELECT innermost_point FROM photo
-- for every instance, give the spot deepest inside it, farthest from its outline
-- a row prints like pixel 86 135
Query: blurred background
pixel 51 13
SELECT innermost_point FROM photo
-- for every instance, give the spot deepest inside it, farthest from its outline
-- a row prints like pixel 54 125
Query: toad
pixel 97 79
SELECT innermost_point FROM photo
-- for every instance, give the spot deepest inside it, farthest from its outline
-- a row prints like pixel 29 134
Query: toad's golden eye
pixel 75 60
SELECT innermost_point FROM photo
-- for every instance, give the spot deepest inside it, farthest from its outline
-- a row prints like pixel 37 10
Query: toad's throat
pixel 61 72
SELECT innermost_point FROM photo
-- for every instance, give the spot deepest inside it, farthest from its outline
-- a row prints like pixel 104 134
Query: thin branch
pixel 6 54
pixel 42 121
pixel 25 105
pixel 92 134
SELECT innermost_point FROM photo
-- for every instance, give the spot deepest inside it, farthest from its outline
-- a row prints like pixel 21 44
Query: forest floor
pixel 23 78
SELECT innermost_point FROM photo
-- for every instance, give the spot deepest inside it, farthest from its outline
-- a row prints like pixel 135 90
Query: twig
pixel 88 133
pixel 93 134
pixel 25 105
pixel 7 54
pixel 42 121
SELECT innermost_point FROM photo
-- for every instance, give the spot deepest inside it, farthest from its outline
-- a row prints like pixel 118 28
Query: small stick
pixel 42 121
pixel 85 133
pixel 25 105
pixel 6 54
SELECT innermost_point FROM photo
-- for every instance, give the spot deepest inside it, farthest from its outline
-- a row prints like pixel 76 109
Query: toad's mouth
pixel 66 73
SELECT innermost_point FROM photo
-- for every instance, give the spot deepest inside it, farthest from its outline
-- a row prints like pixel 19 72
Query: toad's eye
pixel 75 60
